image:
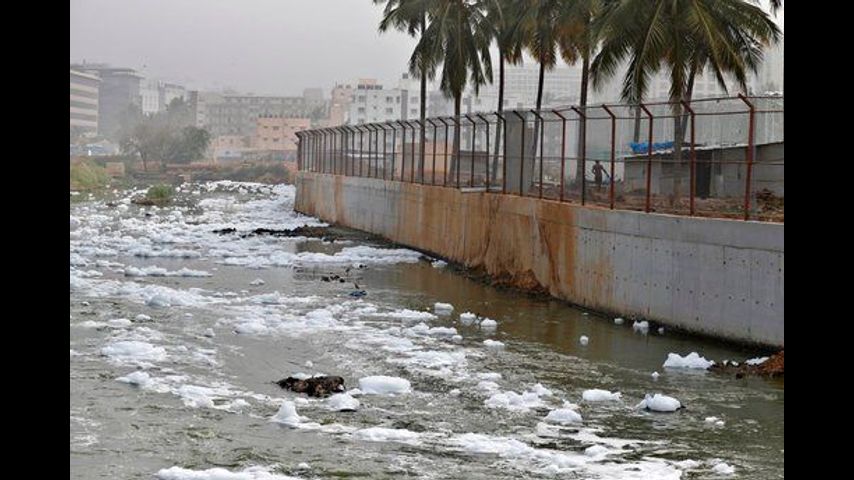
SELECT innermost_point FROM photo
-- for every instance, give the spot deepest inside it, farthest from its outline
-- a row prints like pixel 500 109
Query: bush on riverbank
pixel 86 175
pixel 160 194
pixel 266 172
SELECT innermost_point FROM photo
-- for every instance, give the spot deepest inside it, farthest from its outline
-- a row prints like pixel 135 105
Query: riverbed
pixel 179 327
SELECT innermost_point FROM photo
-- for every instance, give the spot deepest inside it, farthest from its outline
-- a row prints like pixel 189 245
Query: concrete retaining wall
pixel 717 277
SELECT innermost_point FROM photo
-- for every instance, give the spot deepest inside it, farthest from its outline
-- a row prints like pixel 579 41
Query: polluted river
pixel 183 317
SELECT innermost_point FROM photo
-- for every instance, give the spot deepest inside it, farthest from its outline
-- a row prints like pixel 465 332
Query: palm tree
pixel 776 5
pixel 503 17
pixel 576 40
pixel 457 39
pixel 410 16
pixel 682 36
pixel 539 33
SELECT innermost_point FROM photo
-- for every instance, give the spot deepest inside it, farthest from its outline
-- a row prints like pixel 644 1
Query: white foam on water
pixel 493 344
pixel 755 361
pixel 723 468
pixel 488 324
pixel 692 360
pixel 642 326
pixel 138 378
pixel 342 402
pixel 384 385
pixel 513 401
pixel 287 415
pixel 380 434
pixel 597 395
pixel 134 351
pixel 443 308
pixel 563 416
pixel 251 473
pixel 659 403
pixel 467 318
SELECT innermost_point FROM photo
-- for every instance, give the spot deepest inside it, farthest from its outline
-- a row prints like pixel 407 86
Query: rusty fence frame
pixel 389 155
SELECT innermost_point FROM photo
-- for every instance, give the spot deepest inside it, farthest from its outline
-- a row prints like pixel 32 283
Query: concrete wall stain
pixel 628 263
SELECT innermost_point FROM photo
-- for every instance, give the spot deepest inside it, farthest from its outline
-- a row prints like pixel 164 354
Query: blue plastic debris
pixel 643 147
pixel 358 293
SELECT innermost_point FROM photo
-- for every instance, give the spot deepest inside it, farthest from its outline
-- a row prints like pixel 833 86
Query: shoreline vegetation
pixel 92 175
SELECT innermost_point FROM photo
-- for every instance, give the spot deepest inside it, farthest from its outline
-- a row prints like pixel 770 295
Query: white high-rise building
pixel 84 101
pixel 156 95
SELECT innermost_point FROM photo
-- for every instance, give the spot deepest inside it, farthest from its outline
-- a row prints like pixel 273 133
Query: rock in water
pixel 313 386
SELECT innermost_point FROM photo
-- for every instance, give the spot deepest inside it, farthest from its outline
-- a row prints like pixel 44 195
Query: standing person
pixel 598 170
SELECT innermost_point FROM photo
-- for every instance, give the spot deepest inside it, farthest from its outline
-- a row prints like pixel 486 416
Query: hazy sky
pixel 259 46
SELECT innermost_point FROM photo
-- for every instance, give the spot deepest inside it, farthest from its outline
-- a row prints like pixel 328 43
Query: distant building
pixel 238 114
pixel 339 104
pixel 149 92
pixel 119 90
pixel 84 102
pixel 199 103
pixel 171 91
pixel 373 103
pixel 229 147
pixel 278 134
pixel 156 95
pixel 770 76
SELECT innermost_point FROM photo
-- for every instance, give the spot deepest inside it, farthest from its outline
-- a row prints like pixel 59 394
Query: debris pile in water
pixel 321 386
pixel 772 367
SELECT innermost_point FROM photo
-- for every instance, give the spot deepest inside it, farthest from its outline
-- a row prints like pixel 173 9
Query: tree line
pixel 681 37
pixel 164 137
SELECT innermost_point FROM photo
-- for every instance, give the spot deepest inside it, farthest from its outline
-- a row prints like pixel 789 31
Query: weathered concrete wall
pixel 717 277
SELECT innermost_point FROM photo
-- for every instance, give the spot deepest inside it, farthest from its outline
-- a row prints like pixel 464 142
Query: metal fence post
pixel 750 141
pixel 562 151
pixel 522 154
pixel 433 174
pixel 445 153
pixel 457 133
pixel 402 151
pixel 648 161
pixel 583 118
pixel 504 160
pixel 542 150
pixel 693 168
pixel 488 148
pixel 393 150
pixel 613 150
pixel 385 146
pixel 473 140
pixel 412 172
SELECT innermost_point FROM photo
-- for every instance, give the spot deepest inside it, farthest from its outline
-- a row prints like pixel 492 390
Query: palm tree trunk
pixel 494 173
pixel 537 127
pixel 423 107
pixel 689 93
pixel 680 118
pixel 540 87
pixel 582 123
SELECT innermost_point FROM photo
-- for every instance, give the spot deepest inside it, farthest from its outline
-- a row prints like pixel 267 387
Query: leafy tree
pixel 457 38
pixel 410 16
pixel 681 36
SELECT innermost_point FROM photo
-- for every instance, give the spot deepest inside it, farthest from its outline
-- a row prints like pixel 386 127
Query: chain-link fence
pixel 720 157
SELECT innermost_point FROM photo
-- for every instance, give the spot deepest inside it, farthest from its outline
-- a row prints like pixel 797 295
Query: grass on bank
pixel 159 194
pixel 87 176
